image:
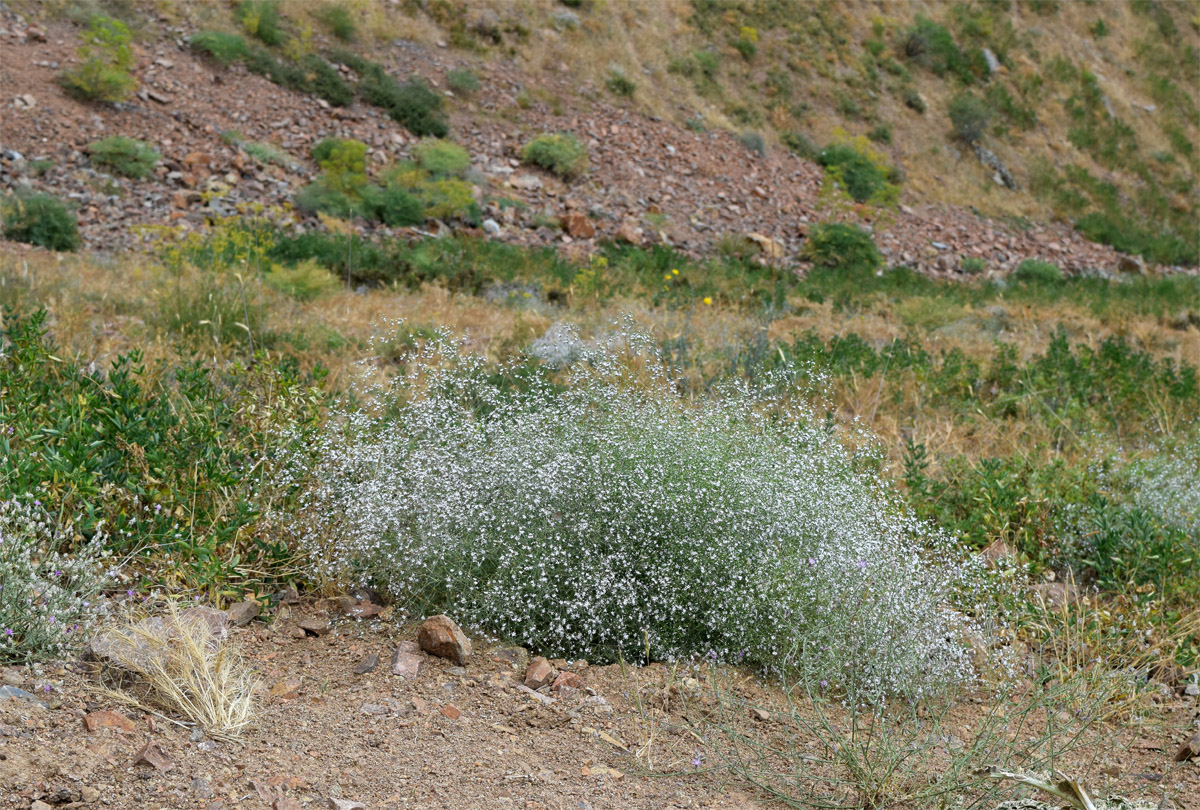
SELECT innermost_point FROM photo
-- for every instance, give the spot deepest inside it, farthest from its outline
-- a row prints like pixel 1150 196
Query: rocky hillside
pixel 681 152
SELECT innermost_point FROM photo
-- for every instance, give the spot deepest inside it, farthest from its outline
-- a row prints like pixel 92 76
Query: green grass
pixel 124 156
pixel 39 219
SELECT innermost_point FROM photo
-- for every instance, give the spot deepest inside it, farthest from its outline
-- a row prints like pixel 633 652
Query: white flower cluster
pixel 1169 486
pixel 593 514
pixel 47 599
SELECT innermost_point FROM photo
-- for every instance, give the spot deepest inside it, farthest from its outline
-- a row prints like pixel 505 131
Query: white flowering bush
pixel 47 599
pixel 1169 487
pixel 592 513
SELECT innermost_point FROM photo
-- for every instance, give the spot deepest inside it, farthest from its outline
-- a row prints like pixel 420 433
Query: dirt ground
pixel 453 737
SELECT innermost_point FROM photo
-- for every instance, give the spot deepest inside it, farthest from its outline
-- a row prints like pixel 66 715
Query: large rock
pixel 440 636
pixel 539 673
pixel 242 613
pixel 406 660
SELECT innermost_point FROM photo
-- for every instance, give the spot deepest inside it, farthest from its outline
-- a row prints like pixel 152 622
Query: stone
pixel 346 804
pixel 153 756
pixel 517 657
pixel 440 636
pixel 406 660
pixel 1191 690
pixel 451 711
pixel 567 680
pixel 40 805
pixel 629 233
pixel 287 690
pixel 491 227
pixel 368 664
pixel 578 226
pixel 525 182
pixel 1189 750
pixel 769 248
pixel 201 788
pixel 365 610
pixel 1132 264
pixel 315 625
pixel 14 693
pixel 287 804
pixel 539 673
pixel 108 719
pixel 242 613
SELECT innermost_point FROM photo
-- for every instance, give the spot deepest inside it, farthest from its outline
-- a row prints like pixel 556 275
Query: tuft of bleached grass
pixel 180 670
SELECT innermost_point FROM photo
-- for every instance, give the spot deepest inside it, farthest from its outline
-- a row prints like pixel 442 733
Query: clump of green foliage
pixel 754 142
pixel 105 59
pixel 800 145
pixel 859 169
pixel 441 157
pixel 139 451
pixel 223 48
pixel 619 84
pixel 1038 272
pixel 125 156
pixel 881 134
pixel 970 117
pixel 973 265
pixel 560 153
pixel 412 104
pixel 260 19
pixel 339 21
pixel 847 247
pixel 462 81
pixel 39 219
pixel 311 74
pixel 930 45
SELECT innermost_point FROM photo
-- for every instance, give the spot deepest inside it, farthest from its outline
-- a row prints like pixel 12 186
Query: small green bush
pixel 932 46
pixel 39 219
pixel 441 157
pixel 128 157
pixel 1038 272
pixel 562 154
pixel 413 104
pixel 848 247
pixel 393 205
pixel 339 22
pixel 344 163
pixel 620 85
pixel 265 152
pixel 311 74
pixel 319 196
pixel 305 281
pixel 914 101
pixel 746 47
pixel 862 177
pixel 105 60
pixel 225 49
pixel 445 198
pixel 462 81
pixel 800 145
pixel 973 265
pixel 970 117
pixel 260 18
pixel 881 134
pixel 754 142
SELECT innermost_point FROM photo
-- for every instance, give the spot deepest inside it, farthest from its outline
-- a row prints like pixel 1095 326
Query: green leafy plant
pixel 561 154
pixel 973 265
pixel 619 84
pixel 223 48
pixel 847 247
pixel 462 81
pixel 304 281
pixel 39 219
pixel 754 142
pixel 124 156
pixel 441 157
pixel 1038 271
pixel 881 134
pixel 412 104
pixel 105 58
pixel 260 19
pixel 858 168
pixel 800 144
pixel 339 21
pixel 970 117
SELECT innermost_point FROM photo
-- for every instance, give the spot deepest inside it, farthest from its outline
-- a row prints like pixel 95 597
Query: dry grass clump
pixel 174 664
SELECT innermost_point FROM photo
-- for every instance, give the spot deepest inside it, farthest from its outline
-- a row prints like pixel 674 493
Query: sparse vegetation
pixel 127 157
pixel 260 19
pixel 970 117
pixel 463 81
pixel 340 22
pixel 841 246
pixel 223 48
pixel 620 84
pixel 560 153
pixel 105 58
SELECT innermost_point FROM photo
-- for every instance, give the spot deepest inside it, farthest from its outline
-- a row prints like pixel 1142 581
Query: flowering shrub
pixel 592 514
pixel 47 599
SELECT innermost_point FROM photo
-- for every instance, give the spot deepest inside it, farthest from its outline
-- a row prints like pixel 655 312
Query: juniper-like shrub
pixel 588 512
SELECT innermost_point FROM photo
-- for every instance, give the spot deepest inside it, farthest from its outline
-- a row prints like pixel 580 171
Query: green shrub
pixel 260 18
pixel 973 265
pixel 393 205
pixel 847 247
pixel 48 600
pixel 746 47
pixel 462 81
pixel 304 281
pixel 311 74
pixel 318 196
pixel 344 163
pixel 620 85
pixel 1159 245
pixel 933 47
pixel 412 104
pixel 443 198
pixel 800 145
pixel 105 60
pixel 1038 272
pixel 561 153
pixel 268 153
pixel 225 49
pixel 39 219
pixel 914 101
pixel 754 142
pixel 881 134
pixel 970 117
pixel 862 177
pixel 441 157
pixel 339 21
pixel 351 257
pixel 125 156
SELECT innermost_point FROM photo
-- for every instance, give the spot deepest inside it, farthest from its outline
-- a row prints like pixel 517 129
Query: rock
pixel 368 664
pixel 578 226
pixel 440 636
pixel 989 159
pixel 365 610
pixel 539 673
pixel 761 715
pixel 491 227
pixel 201 788
pixel 286 690
pixel 286 804
pixel 518 657
pixel 567 680
pixel 14 693
pixel 242 613
pixel 993 64
pixel 108 719
pixel 315 625
pixel 1189 750
pixel 1191 690
pixel 346 804
pixel 40 805
pixel 36 34
pixel 526 182
pixel 1131 264
pixel 153 756
pixel 630 233
pixel 769 248
pixel 373 708
pixel 450 711
pixel 406 660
